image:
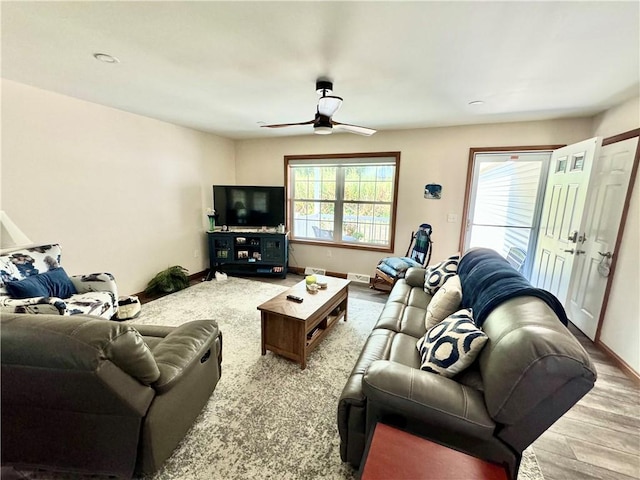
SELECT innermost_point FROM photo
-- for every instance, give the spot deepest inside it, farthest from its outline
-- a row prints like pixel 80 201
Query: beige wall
pixel 127 194
pixel 621 325
pixel 122 193
pixel 433 155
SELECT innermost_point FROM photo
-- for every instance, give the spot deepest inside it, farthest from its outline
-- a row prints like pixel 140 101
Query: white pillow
pixel 452 345
pixel 436 275
pixel 445 302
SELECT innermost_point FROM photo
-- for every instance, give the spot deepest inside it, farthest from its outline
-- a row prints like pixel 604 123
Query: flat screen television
pixel 249 206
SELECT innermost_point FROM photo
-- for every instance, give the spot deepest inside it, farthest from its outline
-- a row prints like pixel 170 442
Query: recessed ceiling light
pixel 106 58
pixel 476 102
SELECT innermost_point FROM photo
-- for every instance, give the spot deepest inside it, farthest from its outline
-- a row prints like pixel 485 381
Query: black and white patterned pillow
pixel 436 275
pixel 452 345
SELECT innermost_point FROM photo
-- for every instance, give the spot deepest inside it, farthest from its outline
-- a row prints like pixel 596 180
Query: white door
pixel 562 216
pixel 607 192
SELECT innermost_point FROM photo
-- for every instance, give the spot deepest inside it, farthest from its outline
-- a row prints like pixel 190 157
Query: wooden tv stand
pixel 248 253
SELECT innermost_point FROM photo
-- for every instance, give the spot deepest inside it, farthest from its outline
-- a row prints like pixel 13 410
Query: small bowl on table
pixel 321 282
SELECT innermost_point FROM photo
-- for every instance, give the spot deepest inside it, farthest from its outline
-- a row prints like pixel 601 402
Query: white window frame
pixel 342 160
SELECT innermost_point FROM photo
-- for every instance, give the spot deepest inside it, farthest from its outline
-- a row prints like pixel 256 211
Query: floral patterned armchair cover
pixel 97 293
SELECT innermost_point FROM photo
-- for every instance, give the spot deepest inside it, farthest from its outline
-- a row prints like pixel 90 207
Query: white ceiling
pixel 222 67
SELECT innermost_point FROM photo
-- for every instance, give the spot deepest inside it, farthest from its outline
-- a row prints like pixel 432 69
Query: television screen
pixel 249 206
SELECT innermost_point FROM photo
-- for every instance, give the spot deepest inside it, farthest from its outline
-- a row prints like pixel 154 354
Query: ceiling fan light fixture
pixel 328 105
pixel 322 130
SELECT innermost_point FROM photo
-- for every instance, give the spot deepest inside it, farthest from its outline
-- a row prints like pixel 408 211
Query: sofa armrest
pixel 415 277
pixel 181 350
pixel 427 397
pixel 52 305
pixel 95 282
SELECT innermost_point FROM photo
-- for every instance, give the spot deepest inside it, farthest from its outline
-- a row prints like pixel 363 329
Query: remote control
pixel 294 298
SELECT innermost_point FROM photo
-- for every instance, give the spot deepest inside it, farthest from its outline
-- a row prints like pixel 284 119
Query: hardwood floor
pixel 599 438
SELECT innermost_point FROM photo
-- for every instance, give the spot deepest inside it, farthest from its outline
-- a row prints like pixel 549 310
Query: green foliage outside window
pixel 354 199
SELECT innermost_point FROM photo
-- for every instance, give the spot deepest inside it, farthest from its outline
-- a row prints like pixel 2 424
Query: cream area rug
pixel 266 419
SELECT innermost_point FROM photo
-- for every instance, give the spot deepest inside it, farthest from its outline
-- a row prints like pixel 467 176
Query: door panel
pixel 608 190
pixel 562 215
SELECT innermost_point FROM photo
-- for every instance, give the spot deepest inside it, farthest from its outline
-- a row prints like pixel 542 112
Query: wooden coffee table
pixel 294 329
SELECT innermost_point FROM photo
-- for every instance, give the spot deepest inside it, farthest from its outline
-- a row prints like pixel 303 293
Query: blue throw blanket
pixel 487 280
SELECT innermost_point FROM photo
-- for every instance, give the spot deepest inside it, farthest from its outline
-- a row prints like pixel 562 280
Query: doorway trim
pixel 614 261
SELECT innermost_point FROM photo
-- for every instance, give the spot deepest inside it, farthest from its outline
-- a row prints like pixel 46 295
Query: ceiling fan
pixel 328 104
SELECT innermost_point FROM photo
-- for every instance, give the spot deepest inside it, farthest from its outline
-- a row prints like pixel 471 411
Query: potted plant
pixel 169 280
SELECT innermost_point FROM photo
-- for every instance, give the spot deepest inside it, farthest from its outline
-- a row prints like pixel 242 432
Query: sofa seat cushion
pixel 98 304
pixel 429 399
pixel 405 310
pixel 403 350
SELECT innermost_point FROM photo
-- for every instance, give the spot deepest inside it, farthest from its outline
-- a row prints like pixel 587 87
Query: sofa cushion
pixel 405 309
pixel 395 266
pixel 452 345
pixel 29 287
pixel 445 302
pixel 54 283
pixel 438 274
pixel 25 262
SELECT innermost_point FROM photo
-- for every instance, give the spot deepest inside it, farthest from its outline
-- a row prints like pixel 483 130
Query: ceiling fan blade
pixel 280 125
pixel 354 128
pixel 328 105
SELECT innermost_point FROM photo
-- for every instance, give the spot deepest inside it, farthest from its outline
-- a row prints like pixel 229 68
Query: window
pixel 343 199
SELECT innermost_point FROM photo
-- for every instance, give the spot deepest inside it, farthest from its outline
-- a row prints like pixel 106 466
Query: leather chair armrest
pixel 182 349
pixel 415 277
pixel 427 397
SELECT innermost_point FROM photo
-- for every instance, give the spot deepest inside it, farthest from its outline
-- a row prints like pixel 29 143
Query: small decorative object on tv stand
pixel 211 215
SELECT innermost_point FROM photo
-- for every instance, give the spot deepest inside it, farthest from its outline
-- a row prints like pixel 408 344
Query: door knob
pixel 579 252
pixel 569 251
pixel 573 236
pixel 606 255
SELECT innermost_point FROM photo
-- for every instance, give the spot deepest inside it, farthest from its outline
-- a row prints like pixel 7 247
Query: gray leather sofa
pixel 529 373
pixel 86 395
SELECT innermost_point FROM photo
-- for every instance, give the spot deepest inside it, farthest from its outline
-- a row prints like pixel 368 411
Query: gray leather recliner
pixel 530 372
pixel 86 395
